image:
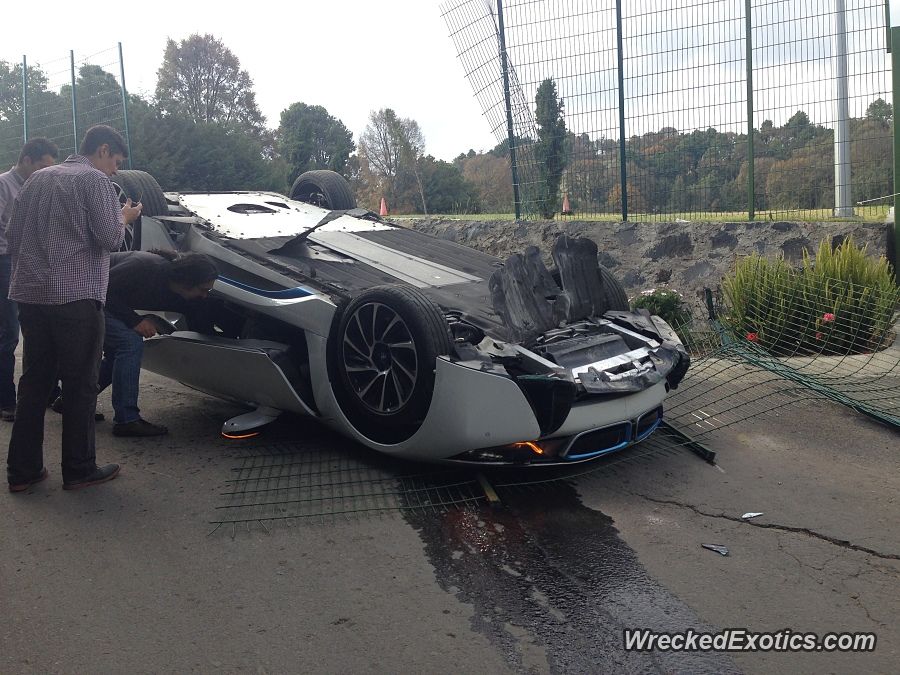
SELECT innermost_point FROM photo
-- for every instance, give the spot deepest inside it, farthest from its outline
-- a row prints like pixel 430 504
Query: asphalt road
pixel 126 577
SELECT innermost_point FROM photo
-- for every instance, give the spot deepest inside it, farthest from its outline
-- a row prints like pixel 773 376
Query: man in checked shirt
pixel 64 225
pixel 38 153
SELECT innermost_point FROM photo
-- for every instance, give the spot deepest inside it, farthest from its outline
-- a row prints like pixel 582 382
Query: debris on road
pixel 718 548
pixel 751 514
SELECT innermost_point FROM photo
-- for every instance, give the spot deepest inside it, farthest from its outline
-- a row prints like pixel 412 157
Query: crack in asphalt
pixel 856 598
pixel 804 567
pixel 843 543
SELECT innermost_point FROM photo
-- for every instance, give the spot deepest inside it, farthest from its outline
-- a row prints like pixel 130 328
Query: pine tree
pixel 550 150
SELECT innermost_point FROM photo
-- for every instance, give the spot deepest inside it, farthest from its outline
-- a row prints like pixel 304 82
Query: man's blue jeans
pixel 121 367
pixel 9 337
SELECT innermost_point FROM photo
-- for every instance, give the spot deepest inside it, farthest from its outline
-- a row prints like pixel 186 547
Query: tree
pixel 803 181
pixel 186 155
pixel 11 89
pixel 880 110
pixel 491 178
pixel 502 148
pixel 48 114
pixel 392 148
pixel 201 79
pixel 380 146
pixel 412 148
pixel 309 138
pixel 99 99
pixel 551 146
pixel 445 188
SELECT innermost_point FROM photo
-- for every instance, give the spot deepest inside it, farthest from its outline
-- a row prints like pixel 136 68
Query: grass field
pixel 867 214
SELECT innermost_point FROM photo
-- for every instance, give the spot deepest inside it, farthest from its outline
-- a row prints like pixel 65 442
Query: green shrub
pixel 666 303
pixel 843 302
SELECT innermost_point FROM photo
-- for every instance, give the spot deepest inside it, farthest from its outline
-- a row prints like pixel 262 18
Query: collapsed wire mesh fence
pixel 314 482
pixel 693 122
pixel 301 482
pixel 803 336
pixel 49 109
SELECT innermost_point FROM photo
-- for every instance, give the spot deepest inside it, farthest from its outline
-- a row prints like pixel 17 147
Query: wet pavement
pixel 554 585
pixel 546 582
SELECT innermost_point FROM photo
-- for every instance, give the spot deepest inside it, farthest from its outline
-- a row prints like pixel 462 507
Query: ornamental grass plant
pixel 842 302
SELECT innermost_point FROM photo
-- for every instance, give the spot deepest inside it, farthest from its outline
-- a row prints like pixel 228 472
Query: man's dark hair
pixel 36 148
pixel 100 134
pixel 192 270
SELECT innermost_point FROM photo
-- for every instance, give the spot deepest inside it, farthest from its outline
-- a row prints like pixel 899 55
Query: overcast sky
pixel 350 56
pixel 355 56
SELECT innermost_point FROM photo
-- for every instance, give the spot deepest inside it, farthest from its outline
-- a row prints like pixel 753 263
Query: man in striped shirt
pixel 64 225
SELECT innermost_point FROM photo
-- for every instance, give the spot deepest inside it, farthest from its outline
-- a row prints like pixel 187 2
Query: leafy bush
pixel 841 303
pixel 666 303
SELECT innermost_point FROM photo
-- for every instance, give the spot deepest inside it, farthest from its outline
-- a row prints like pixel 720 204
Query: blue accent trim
pixel 604 451
pixel 597 453
pixel 650 430
pixel 283 294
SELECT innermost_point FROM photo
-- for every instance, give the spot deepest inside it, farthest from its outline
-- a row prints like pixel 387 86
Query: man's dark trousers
pixel 9 337
pixel 64 340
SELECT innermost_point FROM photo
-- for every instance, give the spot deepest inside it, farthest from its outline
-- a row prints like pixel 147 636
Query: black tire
pixel 128 242
pixel 141 186
pixel 616 299
pixel 382 352
pixel 323 188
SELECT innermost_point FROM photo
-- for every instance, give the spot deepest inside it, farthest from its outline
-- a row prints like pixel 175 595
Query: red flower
pixel 753 337
pixel 828 317
pixel 818 336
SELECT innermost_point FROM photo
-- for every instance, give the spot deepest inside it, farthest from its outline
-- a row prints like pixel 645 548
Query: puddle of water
pixel 546 567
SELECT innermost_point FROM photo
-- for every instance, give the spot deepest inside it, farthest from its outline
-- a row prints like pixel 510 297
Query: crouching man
pixel 152 281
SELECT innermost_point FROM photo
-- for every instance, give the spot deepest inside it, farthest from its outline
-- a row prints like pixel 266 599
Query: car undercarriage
pixel 415 346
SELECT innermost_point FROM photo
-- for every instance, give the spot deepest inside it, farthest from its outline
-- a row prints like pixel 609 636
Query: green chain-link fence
pixel 696 109
pixel 779 337
pixel 48 107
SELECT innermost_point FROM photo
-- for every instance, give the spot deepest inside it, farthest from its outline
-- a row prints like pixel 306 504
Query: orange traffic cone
pixel 565 209
pixel 384 210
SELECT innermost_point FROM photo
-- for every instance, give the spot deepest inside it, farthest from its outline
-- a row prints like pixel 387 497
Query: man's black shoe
pixel 139 428
pixel 8 414
pixel 101 474
pixel 56 407
pixel 24 485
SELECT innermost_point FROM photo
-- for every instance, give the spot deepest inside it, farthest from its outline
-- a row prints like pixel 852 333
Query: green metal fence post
pixel 74 104
pixel 25 97
pixel 751 158
pixel 895 73
pixel 504 65
pixel 623 170
pixel 125 104
pixel 887 25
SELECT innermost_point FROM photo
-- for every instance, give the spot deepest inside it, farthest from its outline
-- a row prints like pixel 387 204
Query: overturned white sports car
pixel 414 346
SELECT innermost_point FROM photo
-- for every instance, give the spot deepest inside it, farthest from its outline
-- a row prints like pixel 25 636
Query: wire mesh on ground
pixel 50 110
pixel 802 339
pixel 325 479
pixel 691 109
